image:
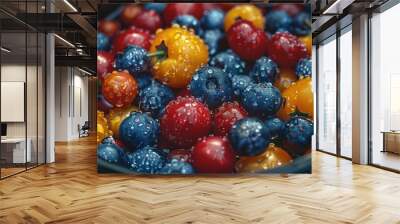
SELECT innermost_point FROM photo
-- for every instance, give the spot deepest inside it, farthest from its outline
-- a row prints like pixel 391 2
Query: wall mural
pixel 204 88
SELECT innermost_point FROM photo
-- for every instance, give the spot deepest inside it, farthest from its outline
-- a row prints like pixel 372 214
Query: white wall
pixel 71 94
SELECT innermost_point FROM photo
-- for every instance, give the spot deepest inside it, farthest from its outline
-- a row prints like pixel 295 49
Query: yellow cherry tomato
pixel 298 98
pixel 116 116
pixel 180 53
pixel 307 40
pixel 272 157
pixel 102 127
pixel 247 12
pixel 285 78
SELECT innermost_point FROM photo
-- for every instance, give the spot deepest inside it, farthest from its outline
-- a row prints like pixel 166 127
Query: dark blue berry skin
pixel 213 19
pixel 147 160
pixel 249 137
pixel 240 83
pixel 299 131
pixel 303 68
pixel 110 152
pixel 212 86
pixel 190 22
pixel 143 80
pixel 103 42
pixel 176 166
pixel 134 59
pixel 264 70
pixel 158 7
pixel 301 25
pixel 275 128
pixel 154 98
pixel 212 38
pixel 278 20
pixel 261 99
pixel 139 130
pixel 229 62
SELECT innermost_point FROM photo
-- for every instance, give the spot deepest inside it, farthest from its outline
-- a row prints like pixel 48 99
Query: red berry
pixel 148 20
pixel 183 92
pixel 184 121
pixel 286 49
pixel 181 154
pixel 213 155
pixel 172 10
pixel 105 61
pixel 291 9
pixel 132 36
pixel 226 116
pixel 119 88
pixel 129 13
pixel 246 40
pixel 108 27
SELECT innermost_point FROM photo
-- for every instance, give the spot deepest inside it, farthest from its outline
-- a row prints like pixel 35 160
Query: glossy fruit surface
pixel 158 7
pixel 261 99
pixel 298 97
pixel 176 166
pixel 102 127
pixel 181 154
pixel 132 36
pixel 184 121
pixel 147 160
pixel 116 116
pixel 276 129
pixel 291 9
pixel 286 49
pixel 105 62
pixel 154 98
pixel 226 116
pixel 246 12
pixel 129 13
pixel 302 24
pixel 108 27
pixel 285 78
pixel 103 42
pixel 272 157
pixel 303 68
pixel 307 41
pixel 246 40
pixel 110 152
pixel 213 155
pixel 134 59
pixel 240 83
pixel 299 131
pixel 139 130
pixel 264 70
pixel 102 104
pixel 278 21
pixel 213 19
pixel 148 20
pixel 119 88
pixel 229 62
pixel 188 21
pixel 213 39
pixel 176 9
pixel 212 86
pixel 248 137
pixel 184 53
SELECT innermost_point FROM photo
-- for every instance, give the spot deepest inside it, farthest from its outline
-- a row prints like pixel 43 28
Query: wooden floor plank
pixel 71 191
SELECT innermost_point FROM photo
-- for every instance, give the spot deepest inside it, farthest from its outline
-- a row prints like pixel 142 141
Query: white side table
pixel 18 144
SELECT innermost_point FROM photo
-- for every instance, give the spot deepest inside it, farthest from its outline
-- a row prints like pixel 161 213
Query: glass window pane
pixel 346 94
pixel 327 96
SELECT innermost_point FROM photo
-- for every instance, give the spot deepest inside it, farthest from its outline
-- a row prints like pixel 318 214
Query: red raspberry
pixel 132 36
pixel 105 61
pixel 148 20
pixel 213 155
pixel 226 116
pixel 286 49
pixel 184 121
pixel 246 40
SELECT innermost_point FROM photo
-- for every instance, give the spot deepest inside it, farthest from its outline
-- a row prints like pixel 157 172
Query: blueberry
pixel 264 70
pixel 262 99
pixel 147 160
pixel 134 59
pixel 212 86
pixel 139 130
pixel 110 152
pixel 248 137
pixel 213 19
pixel 154 98
pixel 143 80
pixel 301 24
pixel 240 83
pixel 275 128
pixel 212 38
pixel 278 20
pixel 299 131
pixel 158 7
pixel 176 166
pixel 103 42
pixel 303 68
pixel 229 62
pixel 189 21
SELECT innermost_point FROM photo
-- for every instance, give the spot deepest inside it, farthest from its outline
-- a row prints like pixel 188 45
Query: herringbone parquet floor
pixel 71 191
